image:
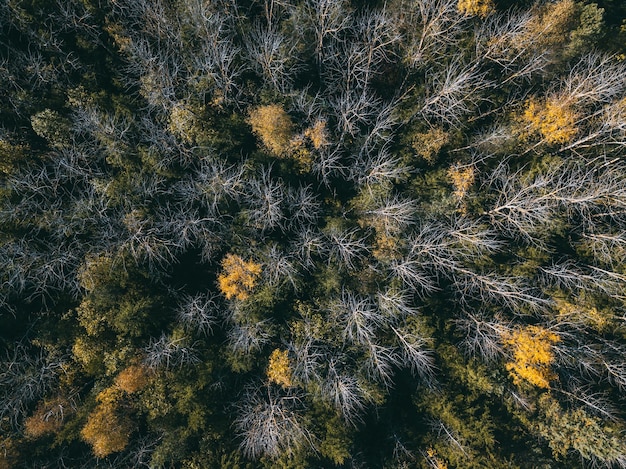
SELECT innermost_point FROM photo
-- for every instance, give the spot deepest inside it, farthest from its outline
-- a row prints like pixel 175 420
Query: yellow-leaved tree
pixel 238 277
pixel 279 369
pixel 482 8
pixel 183 123
pixel 532 353
pixel 553 119
pixel 273 126
pixel 132 379
pixel 107 429
pixel 462 179
pixel 317 134
pixel 427 145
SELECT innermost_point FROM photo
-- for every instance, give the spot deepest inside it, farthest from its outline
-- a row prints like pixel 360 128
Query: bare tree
pixel 504 290
pixel 380 361
pixel 613 363
pixel 379 167
pixel 170 352
pixel 395 213
pixel 153 18
pixel 595 78
pixel 111 132
pixel 304 206
pixel 454 92
pixel 73 16
pixel 218 54
pixel 471 238
pixel 270 423
pixel 198 312
pixel 378 31
pixel 330 162
pixel 351 65
pixel 308 243
pixel 279 268
pixel 265 199
pixel 273 55
pixel 344 392
pixel 380 132
pixel 432 248
pixel 432 27
pixel 217 182
pixel 414 353
pixel 310 357
pixel 309 106
pixel 413 275
pixel 492 140
pixel 157 73
pixel 16 261
pixel 396 304
pixel 483 334
pixel 569 276
pixel 522 207
pixel 356 317
pixel 25 376
pixel 355 110
pixel 326 19
pixel 346 246
pixel 505 40
pixel 608 247
pixel 146 244
pixel 249 337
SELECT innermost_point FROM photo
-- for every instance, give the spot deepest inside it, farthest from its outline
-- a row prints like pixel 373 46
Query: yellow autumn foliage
pixel 107 429
pixel 427 145
pixel 317 134
pixel 183 123
pixel 279 369
pixel 238 277
pixel 482 8
pixel 8 452
pixel 589 315
pixel 554 119
pixel 386 247
pixel 273 126
pixel 548 25
pixel 532 354
pixel 435 461
pixel 132 379
pixel 462 179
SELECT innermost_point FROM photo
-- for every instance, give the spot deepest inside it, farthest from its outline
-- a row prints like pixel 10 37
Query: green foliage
pixel 567 430
pixel 312 233
pixel 590 31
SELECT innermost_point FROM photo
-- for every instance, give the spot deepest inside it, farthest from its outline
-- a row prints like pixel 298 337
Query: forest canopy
pixel 312 233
